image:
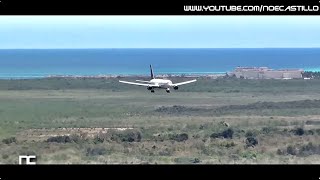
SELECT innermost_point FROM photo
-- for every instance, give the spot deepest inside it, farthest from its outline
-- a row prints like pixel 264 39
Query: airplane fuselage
pixel 162 83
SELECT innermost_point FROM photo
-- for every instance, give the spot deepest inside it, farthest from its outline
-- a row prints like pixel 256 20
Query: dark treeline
pixel 310 74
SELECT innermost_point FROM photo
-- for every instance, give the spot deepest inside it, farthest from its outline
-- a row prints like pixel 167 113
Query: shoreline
pixel 160 75
pixel 212 75
pixel 106 76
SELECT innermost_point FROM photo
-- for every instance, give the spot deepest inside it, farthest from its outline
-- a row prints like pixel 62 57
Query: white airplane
pixel 158 83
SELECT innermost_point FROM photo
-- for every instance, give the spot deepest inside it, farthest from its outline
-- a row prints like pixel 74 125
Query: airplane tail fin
pixel 151 71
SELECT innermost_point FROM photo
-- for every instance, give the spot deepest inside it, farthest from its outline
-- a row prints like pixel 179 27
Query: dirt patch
pixel 44 134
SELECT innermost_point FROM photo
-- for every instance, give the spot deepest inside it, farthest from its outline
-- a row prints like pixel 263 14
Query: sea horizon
pixel 39 63
pixel 160 48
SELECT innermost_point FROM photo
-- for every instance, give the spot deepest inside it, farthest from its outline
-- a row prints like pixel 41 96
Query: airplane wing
pixel 143 81
pixel 139 84
pixel 186 82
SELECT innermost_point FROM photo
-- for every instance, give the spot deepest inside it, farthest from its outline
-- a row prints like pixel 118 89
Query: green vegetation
pixel 311 74
pixel 213 121
pixel 228 134
pixel 9 140
pixel 225 85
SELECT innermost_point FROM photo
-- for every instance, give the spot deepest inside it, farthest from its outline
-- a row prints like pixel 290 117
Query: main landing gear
pixel 150 89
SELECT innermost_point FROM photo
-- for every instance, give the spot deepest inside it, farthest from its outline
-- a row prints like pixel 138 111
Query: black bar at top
pixel 145 7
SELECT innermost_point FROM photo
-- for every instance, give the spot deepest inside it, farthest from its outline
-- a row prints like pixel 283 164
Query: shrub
pixel 227 144
pixel 5 156
pixel 59 139
pixel 203 126
pixel 313 122
pixel 253 133
pixel 186 160
pixel 301 150
pixel 309 149
pixel 196 136
pixel 96 151
pixel 178 110
pixel 98 139
pixel 249 155
pixel 76 138
pixel 181 160
pixel 126 136
pixel 215 135
pixel 251 141
pixel 196 160
pixel 298 131
pixel 9 140
pixel 310 132
pixel 292 150
pixel 281 152
pixel 228 134
pixel 249 134
pixel 179 137
pixel 266 130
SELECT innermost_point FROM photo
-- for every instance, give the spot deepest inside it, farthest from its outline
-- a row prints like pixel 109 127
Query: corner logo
pixel 27 160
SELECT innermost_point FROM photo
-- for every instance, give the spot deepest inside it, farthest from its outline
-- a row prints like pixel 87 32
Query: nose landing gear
pixel 168 90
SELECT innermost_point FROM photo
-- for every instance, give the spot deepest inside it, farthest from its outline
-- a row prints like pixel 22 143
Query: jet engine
pixel 175 87
pixel 149 88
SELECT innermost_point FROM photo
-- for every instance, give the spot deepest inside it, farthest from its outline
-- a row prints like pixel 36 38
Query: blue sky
pixel 29 32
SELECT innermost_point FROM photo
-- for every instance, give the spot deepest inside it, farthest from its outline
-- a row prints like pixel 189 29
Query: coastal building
pixel 266 73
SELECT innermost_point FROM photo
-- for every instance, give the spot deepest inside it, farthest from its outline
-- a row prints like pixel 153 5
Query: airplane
pixel 158 83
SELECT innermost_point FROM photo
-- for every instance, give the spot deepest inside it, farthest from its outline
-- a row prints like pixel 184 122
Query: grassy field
pixel 215 121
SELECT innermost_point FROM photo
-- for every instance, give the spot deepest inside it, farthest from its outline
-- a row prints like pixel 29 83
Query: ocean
pixel 37 63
